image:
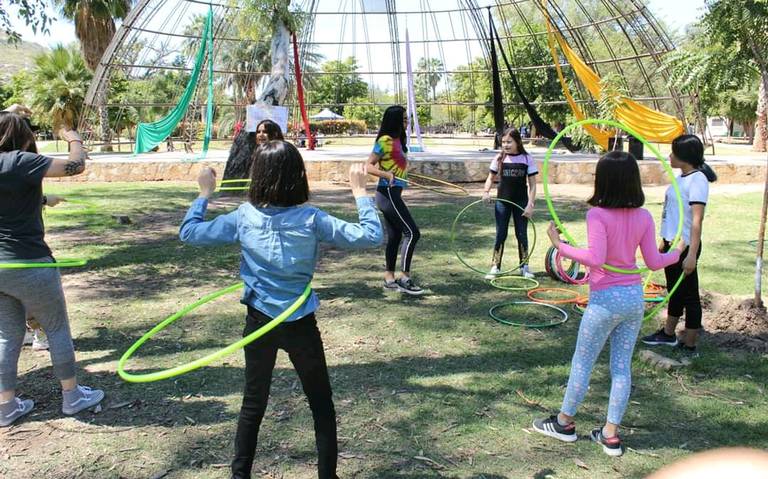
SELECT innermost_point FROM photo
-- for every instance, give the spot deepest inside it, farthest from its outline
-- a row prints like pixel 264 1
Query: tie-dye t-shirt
pixel 392 158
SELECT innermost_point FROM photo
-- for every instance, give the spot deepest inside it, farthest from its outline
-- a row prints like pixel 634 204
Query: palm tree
pixel 94 27
pixel 431 71
pixel 62 81
pixel 94 24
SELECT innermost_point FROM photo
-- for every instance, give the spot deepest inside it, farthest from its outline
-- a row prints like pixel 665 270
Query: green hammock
pixel 149 135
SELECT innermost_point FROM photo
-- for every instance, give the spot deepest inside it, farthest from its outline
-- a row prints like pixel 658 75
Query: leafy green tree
pixel 338 85
pixel 32 12
pixel 361 109
pixel 744 24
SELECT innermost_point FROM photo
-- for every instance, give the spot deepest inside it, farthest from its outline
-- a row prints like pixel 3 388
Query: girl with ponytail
pixel 688 155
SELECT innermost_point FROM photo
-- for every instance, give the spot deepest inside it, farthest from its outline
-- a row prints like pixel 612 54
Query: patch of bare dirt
pixel 735 323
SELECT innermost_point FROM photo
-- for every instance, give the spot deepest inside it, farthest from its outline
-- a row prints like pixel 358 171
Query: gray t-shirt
pixel 22 234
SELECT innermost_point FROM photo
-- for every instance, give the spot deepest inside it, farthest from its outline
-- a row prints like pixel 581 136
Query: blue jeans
pixel 615 312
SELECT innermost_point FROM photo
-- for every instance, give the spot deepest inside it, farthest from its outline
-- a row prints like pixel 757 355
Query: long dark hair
pixel 278 176
pixel 392 125
pixel 690 149
pixel 617 182
pixel 513 133
pixel 15 133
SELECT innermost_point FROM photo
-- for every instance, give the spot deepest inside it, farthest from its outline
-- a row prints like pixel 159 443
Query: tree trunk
pixel 760 131
pixel 760 142
pixel 106 138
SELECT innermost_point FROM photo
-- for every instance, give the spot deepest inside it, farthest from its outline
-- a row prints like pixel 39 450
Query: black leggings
pixel 301 340
pixel 686 298
pixel 399 223
pixel 504 211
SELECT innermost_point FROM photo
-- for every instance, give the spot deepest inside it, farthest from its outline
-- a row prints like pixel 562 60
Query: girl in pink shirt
pixel 616 227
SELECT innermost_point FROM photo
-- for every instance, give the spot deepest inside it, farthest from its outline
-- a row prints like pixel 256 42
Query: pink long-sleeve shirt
pixel 613 237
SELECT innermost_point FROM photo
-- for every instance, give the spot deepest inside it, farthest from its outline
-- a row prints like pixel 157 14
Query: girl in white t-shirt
pixel 688 155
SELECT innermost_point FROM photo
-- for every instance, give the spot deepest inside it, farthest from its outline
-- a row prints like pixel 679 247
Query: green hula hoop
pixel 245 185
pixel 615 124
pixel 499 319
pixel 64 263
pixel 204 361
pixel 456 250
pixel 496 283
pixel 652 313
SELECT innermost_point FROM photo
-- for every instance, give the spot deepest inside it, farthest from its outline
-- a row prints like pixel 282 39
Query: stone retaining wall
pixel 564 171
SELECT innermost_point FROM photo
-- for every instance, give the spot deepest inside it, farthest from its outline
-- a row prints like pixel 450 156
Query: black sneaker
pixel 660 338
pixel 407 286
pixel 391 286
pixel 687 351
pixel 611 445
pixel 550 427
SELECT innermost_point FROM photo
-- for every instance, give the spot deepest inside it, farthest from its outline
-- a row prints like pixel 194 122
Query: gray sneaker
pixel 407 286
pixel 14 409
pixel 82 397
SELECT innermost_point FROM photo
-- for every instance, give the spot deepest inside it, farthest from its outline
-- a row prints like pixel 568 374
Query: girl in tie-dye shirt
pixel 389 162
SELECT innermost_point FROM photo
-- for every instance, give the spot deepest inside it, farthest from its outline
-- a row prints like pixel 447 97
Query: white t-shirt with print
pixel 694 189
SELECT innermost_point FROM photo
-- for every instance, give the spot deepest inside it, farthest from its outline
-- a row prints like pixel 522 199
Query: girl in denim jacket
pixel 280 238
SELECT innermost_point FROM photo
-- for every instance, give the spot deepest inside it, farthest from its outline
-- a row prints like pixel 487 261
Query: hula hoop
pixel 455 190
pixel 498 319
pixel 551 268
pixel 667 168
pixel 572 279
pixel 204 361
pixel 64 263
pixel 88 208
pixel 456 250
pixel 573 299
pixel 495 282
pixel 652 313
pixel 245 184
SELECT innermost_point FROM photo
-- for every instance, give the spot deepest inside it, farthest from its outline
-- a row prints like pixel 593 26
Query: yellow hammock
pixel 654 125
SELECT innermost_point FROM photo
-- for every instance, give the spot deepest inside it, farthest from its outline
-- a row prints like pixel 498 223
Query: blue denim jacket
pixel 280 247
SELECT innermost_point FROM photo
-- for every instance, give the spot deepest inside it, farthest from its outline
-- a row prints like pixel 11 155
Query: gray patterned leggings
pixel 36 293
pixel 615 312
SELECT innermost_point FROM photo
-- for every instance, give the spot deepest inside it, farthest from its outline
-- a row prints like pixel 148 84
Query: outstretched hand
pixel 554 234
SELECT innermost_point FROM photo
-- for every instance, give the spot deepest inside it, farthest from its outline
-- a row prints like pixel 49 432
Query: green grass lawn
pixel 424 387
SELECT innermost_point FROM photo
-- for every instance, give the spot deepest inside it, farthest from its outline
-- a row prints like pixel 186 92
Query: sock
pixel 602 431
pixel 560 421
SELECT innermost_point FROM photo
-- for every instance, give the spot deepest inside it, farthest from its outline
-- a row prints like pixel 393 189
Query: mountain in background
pixel 15 57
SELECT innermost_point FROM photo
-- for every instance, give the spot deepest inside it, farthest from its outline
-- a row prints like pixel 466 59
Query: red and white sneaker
pixel 611 445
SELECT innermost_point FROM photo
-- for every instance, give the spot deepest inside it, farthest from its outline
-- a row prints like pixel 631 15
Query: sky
pixel 676 13
pixel 348 29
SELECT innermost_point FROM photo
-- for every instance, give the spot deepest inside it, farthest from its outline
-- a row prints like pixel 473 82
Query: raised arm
pixel 195 230
pixel 75 163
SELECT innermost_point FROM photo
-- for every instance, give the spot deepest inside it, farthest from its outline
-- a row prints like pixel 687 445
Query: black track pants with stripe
pixel 402 232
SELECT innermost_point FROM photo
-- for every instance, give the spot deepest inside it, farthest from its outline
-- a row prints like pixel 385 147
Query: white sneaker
pixel 493 273
pixel 526 273
pixel 39 341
